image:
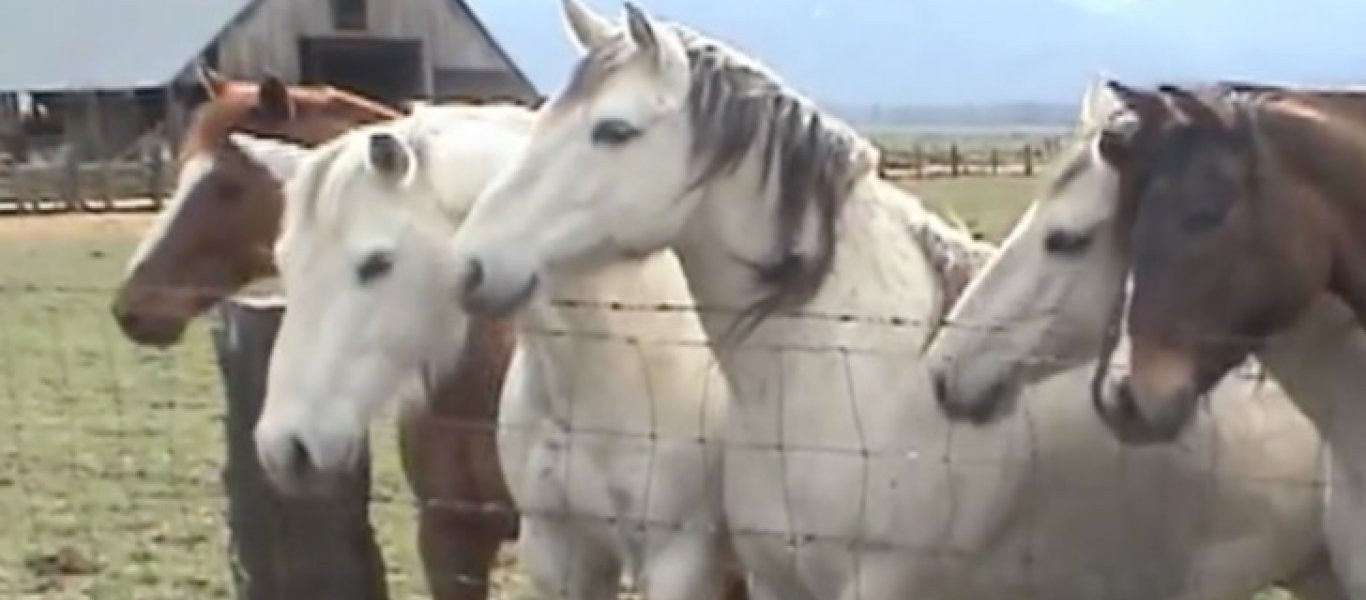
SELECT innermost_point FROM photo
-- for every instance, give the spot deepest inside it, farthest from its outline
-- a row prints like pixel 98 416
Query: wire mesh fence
pixel 111 484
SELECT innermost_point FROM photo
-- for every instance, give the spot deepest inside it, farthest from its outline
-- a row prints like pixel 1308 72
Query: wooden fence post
pixel 955 161
pixel 284 547
pixel 156 172
pixel 1028 160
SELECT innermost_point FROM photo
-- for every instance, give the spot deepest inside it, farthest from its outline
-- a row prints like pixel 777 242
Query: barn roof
pixel 70 45
pixel 531 36
pixel 500 84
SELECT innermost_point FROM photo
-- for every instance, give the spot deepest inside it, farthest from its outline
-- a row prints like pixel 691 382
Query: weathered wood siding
pixel 265 41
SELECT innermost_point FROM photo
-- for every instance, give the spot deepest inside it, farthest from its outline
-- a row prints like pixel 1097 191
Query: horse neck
pixel 872 315
pixel 361 111
pixel 1317 145
pixel 1318 362
pixel 475 146
pixel 604 361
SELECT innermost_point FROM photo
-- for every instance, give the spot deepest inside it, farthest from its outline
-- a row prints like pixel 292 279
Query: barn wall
pixel 266 41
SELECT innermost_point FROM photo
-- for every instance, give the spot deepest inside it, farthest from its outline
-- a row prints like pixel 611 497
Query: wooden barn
pixel 388 49
pixel 88 79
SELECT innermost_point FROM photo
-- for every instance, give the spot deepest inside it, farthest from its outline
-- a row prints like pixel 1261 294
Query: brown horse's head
pixel 216 234
pixel 1225 249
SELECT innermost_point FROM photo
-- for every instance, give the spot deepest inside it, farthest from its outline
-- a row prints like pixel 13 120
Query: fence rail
pixel 138 178
pixel 291 548
pixel 88 187
pixel 929 160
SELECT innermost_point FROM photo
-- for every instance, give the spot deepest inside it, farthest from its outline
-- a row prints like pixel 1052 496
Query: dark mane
pixel 810 160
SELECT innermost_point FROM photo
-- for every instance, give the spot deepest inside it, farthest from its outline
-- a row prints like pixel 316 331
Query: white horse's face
pixel 372 316
pixel 605 174
pixel 1043 302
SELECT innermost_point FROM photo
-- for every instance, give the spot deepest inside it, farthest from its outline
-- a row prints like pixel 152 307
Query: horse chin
pixel 499 300
pixel 298 469
pixel 305 485
pixel 154 332
pixel 158 319
pixel 988 406
pixel 1120 410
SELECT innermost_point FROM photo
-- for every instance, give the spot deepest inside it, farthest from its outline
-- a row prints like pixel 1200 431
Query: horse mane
pixel 808 158
pixel 338 99
pixel 305 189
pixel 955 257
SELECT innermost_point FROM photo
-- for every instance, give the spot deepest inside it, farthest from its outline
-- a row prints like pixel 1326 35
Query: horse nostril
pixel 1124 399
pixel 300 464
pixel 941 388
pixel 474 277
pixel 125 318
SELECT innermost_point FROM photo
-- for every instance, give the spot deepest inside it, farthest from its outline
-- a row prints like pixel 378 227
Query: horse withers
pixel 217 236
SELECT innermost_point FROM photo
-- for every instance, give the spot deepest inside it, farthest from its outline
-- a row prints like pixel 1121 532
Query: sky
pixel 888 52
pixel 1104 5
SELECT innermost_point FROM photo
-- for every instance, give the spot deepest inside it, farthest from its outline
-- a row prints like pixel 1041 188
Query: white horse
pixel 1057 279
pixel 843 479
pixel 610 463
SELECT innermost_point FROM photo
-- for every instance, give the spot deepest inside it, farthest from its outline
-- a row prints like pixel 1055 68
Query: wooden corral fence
pixel 927 161
pixel 283 547
pixel 136 179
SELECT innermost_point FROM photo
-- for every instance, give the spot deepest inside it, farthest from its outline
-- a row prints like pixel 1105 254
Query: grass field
pixel 110 456
pixel 968 139
pixel 109 477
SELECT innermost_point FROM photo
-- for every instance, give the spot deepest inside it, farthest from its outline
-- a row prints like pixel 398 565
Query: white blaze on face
pixel 191 173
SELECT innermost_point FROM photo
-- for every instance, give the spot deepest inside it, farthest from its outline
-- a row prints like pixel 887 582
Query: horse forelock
pixel 320 196
pixel 310 193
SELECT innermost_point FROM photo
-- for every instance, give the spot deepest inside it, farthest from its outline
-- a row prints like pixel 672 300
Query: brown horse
pixel 216 237
pixel 1242 206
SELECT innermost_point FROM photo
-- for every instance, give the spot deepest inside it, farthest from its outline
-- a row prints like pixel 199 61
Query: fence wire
pixel 111 487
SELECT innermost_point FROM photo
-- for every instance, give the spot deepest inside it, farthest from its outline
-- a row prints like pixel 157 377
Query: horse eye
pixel 614 132
pixel 1066 242
pixel 375 265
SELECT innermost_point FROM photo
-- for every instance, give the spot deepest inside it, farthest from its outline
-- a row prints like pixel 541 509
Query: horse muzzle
pixel 1138 419
pixel 495 292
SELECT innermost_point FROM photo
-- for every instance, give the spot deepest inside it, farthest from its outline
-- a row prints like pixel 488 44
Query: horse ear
pixel 658 43
pixel 390 156
pixel 214 84
pixel 273 99
pixel 1191 107
pixel 1146 105
pixel 641 29
pixel 586 28
pixel 279 157
pixel 1098 104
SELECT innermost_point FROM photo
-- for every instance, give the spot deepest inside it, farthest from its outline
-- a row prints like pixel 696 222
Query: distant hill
pixel 1028 58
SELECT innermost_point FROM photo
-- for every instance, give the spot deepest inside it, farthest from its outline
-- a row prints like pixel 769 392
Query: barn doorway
pixel 384 69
